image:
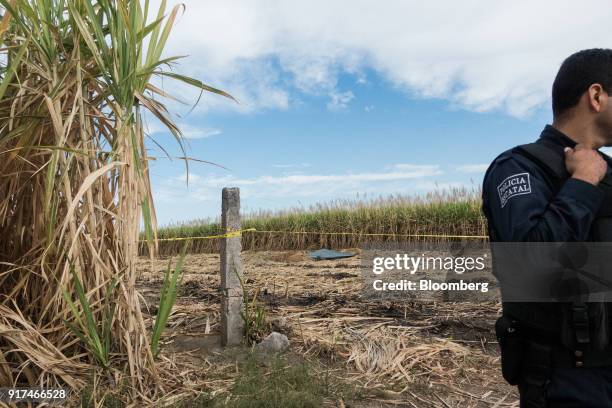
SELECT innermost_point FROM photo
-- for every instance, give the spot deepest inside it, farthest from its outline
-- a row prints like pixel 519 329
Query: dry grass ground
pixel 389 354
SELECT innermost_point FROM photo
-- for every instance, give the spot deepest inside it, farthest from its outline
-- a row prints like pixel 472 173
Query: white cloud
pixel 472 168
pixel 477 54
pixel 301 185
pixel 183 178
pixel 192 132
pixel 339 100
pixel 154 127
pixel 291 166
pixel 415 167
pixel 413 172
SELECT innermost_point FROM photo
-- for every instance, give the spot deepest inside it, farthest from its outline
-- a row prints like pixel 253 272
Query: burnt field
pixel 389 353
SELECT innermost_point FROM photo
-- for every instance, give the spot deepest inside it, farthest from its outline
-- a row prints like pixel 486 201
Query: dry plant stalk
pixel 74 184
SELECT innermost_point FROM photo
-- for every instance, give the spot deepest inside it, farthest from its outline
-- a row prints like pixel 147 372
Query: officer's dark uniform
pixel 523 201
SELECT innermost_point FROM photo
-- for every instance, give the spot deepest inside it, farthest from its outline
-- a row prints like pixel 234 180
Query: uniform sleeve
pixel 522 207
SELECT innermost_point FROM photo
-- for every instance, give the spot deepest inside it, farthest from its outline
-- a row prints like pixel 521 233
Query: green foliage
pixel 253 315
pixel 284 386
pixel 282 381
pixel 96 336
pixel 279 386
pixel 169 290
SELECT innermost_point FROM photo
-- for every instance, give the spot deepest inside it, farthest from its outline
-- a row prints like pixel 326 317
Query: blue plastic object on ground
pixel 322 254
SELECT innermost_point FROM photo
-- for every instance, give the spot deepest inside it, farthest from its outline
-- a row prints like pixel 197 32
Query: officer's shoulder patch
pixel 512 186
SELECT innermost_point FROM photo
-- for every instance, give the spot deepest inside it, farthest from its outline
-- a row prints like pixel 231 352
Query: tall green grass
pixel 172 280
pixel 448 212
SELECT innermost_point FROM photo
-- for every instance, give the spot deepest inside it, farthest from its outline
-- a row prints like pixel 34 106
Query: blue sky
pixel 335 103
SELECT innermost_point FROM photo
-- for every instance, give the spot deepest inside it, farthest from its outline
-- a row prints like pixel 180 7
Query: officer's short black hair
pixel 577 73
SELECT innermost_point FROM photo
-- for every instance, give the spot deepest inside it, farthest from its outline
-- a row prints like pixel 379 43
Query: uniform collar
pixel 554 135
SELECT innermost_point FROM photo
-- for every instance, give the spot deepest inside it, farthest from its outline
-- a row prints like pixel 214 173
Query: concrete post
pixel 232 325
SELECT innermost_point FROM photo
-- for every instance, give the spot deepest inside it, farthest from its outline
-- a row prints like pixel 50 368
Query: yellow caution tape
pixel 238 233
pixel 230 234
pixel 377 234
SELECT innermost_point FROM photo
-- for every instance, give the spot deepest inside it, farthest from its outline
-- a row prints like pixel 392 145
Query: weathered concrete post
pixel 232 325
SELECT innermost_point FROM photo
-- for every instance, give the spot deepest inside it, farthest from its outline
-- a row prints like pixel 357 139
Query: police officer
pixel 558 189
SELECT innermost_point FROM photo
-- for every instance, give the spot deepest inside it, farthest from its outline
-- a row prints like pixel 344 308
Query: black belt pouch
pixel 512 347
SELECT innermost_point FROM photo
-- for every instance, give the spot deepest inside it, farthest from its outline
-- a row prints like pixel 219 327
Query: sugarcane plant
pixel 167 298
pixel 76 78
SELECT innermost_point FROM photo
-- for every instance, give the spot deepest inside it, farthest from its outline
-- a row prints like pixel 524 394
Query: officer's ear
pixel 597 97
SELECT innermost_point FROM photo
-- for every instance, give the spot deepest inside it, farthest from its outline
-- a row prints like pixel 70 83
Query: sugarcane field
pixel 274 203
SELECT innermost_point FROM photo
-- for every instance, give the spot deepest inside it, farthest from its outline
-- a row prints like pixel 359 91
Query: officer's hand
pixel 585 164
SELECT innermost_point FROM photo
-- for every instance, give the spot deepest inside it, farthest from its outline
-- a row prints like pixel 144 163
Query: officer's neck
pixel 581 132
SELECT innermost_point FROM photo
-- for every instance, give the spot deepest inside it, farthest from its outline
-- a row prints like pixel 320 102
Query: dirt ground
pixel 397 353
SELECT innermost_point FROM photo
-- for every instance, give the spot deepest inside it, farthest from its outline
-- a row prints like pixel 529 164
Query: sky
pixel 355 99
